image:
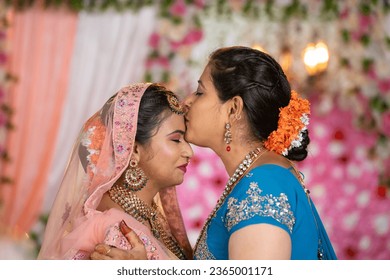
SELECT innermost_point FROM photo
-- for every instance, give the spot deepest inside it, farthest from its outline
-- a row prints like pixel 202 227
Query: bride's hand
pixel 106 252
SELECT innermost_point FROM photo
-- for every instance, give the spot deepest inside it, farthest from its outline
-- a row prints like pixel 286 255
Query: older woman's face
pixel 203 118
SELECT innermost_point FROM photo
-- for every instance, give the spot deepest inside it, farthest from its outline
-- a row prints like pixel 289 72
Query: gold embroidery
pixel 255 204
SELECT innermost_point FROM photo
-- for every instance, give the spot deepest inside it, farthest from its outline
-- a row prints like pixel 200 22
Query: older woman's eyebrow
pixel 176 131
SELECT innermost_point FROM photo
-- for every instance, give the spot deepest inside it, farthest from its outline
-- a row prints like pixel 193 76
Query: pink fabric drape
pixel 41 49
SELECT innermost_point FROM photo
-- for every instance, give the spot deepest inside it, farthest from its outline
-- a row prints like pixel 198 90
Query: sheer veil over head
pixel 100 155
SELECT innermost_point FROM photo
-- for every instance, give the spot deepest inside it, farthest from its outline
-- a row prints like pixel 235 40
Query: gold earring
pixel 228 136
pixel 135 177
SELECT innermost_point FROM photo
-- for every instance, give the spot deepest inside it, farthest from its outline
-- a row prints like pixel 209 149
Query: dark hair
pixel 261 83
pixel 154 109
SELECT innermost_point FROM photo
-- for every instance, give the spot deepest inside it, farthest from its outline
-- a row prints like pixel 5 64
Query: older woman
pixel 259 127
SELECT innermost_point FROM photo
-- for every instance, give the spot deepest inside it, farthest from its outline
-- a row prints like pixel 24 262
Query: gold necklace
pixel 240 172
pixel 142 212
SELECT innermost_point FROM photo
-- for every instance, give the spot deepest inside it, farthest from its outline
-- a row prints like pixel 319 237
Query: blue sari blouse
pixel 268 194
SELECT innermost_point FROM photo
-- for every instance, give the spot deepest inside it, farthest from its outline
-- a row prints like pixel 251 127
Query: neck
pixel 232 159
pixel 146 194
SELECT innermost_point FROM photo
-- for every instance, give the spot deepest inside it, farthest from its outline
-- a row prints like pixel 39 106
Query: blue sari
pixel 268 194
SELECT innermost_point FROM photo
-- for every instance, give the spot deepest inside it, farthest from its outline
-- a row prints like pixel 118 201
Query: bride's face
pixel 164 159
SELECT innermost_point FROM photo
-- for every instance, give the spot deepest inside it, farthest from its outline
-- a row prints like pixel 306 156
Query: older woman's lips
pixel 183 168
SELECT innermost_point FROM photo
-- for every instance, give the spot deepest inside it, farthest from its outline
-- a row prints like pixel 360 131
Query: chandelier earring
pixel 135 178
pixel 228 136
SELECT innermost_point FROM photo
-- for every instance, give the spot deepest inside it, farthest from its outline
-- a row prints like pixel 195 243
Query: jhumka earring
pixel 228 136
pixel 135 177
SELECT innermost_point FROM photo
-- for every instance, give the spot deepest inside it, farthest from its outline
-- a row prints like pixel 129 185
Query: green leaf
pixel 387 41
pixel 379 104
pixel 148 76
pixel 344 62
pixel 366 63
pixel 365 39
pixel 165 76
pixel 77 5
pixel 365 8
pixel 345 35
pixel 269 7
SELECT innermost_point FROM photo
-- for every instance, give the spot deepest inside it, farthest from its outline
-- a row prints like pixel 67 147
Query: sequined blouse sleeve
pixel 265 195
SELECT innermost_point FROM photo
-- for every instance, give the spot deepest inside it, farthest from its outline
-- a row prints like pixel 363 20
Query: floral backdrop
pixel 348 167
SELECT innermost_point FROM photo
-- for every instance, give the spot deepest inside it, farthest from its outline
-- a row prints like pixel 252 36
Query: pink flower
pixel 365 22
pixel 344 14
pixel 386 123
pixel 179 8
pixel 175 45
pixel 371 73
pixel 384 85
pixel 164 62
pixel 200 3
pixel 193 36
pixel 160 61
pixel 154 40
pixel 3 58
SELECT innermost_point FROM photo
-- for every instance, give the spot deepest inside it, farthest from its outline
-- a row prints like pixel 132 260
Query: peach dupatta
pixel 100 155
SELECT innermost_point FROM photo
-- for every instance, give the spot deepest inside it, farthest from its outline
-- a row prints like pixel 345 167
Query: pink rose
pixel 154 40
pixel 384 85
pixel 200 3
pixel 386 123
pixel 164 62
pixel 365 22
pixel 193 36
pixel 179 8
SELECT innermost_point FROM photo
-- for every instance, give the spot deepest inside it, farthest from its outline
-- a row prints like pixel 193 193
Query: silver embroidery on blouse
pixel 268 205
pixel 202 250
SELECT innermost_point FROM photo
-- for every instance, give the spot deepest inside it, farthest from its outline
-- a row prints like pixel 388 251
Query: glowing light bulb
pixel 315 58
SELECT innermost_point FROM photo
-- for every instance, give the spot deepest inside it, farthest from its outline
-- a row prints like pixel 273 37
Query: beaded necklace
pixel 241 170
pixel 142 212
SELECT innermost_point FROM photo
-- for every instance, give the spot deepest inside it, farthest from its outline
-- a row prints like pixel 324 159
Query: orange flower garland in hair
pixel 293 120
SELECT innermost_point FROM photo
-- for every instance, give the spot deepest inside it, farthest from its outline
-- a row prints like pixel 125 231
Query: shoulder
pixel 267 194
pixel 270 179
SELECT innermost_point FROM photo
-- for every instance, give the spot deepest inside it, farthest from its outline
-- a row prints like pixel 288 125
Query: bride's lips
pixel 183 167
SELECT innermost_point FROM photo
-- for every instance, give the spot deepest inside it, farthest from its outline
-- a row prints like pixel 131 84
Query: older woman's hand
pixel 106 252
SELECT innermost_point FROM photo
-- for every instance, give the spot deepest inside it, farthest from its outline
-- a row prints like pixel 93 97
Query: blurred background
pixel 60 60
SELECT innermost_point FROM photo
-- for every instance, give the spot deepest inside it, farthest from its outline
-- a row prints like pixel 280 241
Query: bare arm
pixel 260 241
